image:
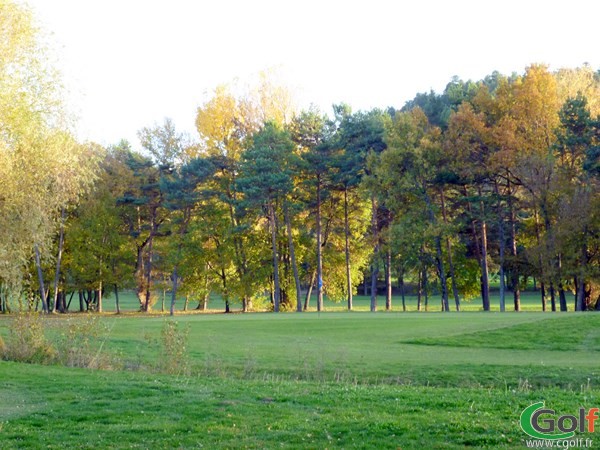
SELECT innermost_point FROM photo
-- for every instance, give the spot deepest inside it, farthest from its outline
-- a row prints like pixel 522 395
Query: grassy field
pixel 330 380
pixel 530 301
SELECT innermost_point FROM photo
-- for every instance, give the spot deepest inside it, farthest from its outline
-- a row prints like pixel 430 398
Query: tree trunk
pixel 347 250
pixel 272 222
pixel 449 250
pixel 118 306
pixel 401 286
pixel 540 262
pixel 419 289
pixel 388 281
pixel 375 263
pixel 543 293
pixel 439 259
pixel 288 225
pixel 426 289
pixel 562 298
pixel 502 249
pixel 374 276
pixel 580 296
pixel 309 290
pixel 319 255
pixel 68 305
pixel 81 301
pixel 38 264
pixel 61 241
pixel 485 278
pixel 149 276
pixel 513 250
pixel 552 298
pixel 153 230
pixel 174 292
pixel 99 298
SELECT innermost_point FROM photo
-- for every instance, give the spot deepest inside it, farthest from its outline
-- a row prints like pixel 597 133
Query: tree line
pixel 492 178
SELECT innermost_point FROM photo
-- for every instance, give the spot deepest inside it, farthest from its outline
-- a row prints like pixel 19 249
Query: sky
pixel 128 64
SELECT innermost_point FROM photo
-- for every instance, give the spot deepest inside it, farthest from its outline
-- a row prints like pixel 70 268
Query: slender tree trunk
pixel 426 289
pixel 38 264
pixel 309 290
pixel 374 276
pixel 81 301
pixel 562 298
pixel 502 250
pixel 99 303
pixel 583 260
pixel 118 306
pixel 449 250
pixel 402 290
pixel 388 280
pixel 543 293
pixel 174 291
pixel 485 278
pixel 439 258
pixel 225 291
pixel 149 275
pixel 347 250
pixel 68 305
pixel 277 291
pixel 61 241
pixel 319 255
pixel 540 261
pixel 552 297
pixel 375 263
pixel 514 273
pixel 288 224
pixel 419 289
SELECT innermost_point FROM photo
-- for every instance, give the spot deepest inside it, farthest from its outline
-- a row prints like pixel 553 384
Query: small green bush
pixel 173 354
pixel 82 342
pixel 27 341
pixel 2 348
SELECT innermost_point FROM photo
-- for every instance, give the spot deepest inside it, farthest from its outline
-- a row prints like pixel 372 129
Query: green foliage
pixel 27 341
pixel 174 348
pixel 81 342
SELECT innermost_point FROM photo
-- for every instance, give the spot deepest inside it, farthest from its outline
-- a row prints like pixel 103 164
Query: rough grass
pixel 334 380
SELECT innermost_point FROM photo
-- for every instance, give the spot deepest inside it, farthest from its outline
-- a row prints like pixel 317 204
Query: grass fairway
pixel 334 380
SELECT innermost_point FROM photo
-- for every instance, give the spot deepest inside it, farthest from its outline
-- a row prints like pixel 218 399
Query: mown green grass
pixel 530 301
pixel 330 380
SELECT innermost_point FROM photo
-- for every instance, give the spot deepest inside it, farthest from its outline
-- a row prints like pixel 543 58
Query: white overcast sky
pixel 131 63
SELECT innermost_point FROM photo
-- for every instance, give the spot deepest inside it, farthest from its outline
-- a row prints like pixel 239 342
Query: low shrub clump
pixel 27 341
pixel 173 356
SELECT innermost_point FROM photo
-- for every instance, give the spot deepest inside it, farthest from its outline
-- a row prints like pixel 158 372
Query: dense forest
pixel 497 178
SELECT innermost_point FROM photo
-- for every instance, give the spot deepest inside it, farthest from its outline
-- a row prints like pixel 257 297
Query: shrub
pixel 27 342
pixel 81 344
pixel 2 348
pixel 173 356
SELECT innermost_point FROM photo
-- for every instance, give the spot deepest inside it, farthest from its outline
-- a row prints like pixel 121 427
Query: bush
pixel 82 343
pixel 173 356
pixel 27 342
